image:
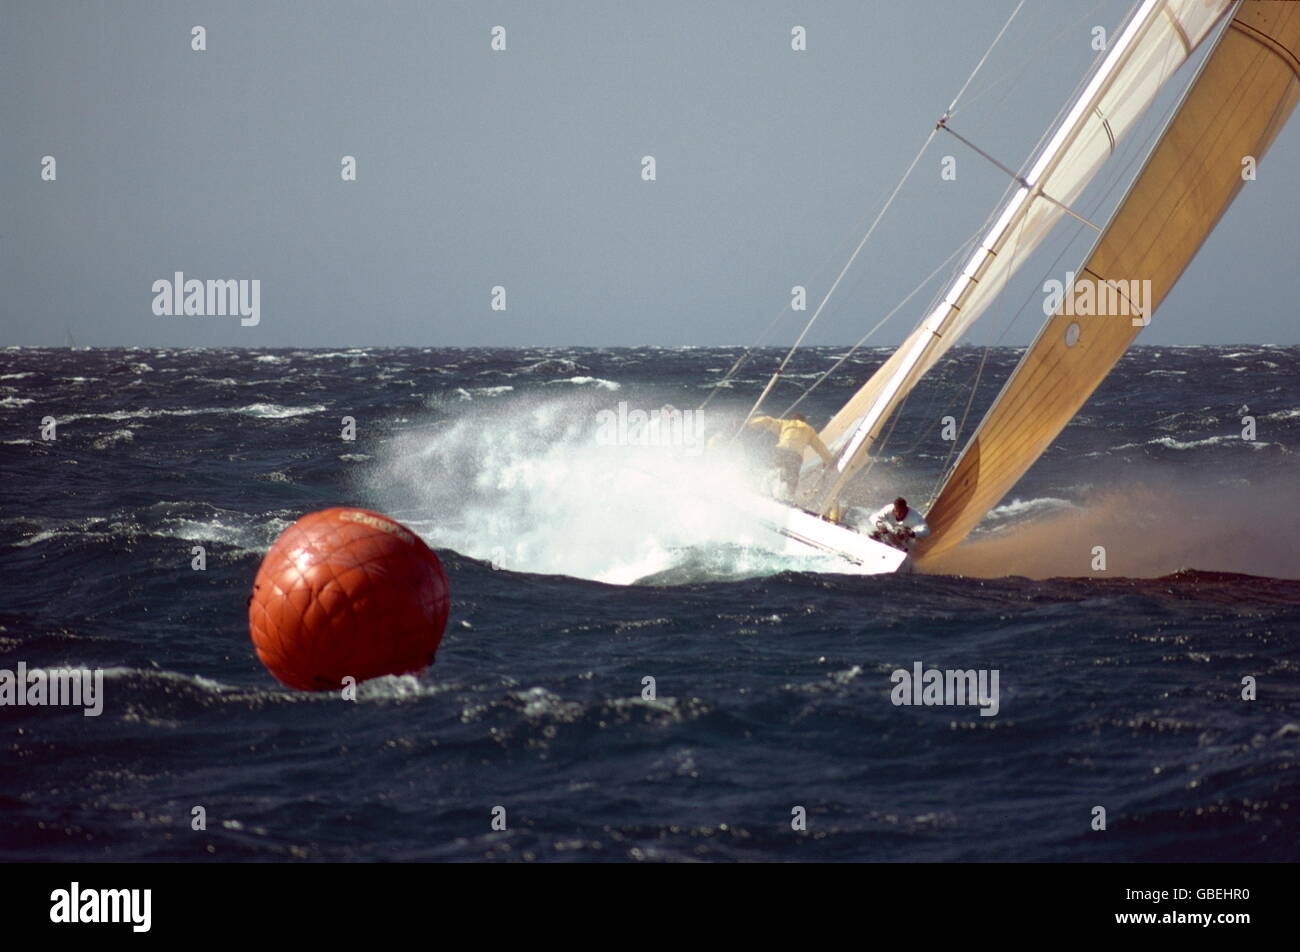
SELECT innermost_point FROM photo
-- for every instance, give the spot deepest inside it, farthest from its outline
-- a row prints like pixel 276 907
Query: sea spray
pixel 529 485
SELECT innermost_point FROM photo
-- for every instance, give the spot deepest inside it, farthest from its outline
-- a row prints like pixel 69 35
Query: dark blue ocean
pixel 583 562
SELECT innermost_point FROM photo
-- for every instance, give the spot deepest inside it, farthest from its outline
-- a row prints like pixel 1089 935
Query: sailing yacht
pixel 1245 90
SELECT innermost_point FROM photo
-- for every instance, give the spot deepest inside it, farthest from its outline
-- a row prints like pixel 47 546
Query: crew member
pixel 794 435
pixel 899 526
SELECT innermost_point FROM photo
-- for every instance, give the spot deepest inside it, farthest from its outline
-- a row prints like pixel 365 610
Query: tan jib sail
pixel 1156 40
pixel 1245 91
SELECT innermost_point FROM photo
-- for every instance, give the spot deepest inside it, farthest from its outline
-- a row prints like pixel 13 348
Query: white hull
pixel 806 534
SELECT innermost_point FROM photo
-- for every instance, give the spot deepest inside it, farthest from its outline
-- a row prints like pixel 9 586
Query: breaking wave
pixel 527 485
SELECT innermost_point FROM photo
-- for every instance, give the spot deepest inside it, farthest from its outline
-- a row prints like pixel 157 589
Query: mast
pixel 1159 37
pixel 1238 103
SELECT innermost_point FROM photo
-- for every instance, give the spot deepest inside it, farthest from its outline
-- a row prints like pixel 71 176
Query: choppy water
pixel 1119 689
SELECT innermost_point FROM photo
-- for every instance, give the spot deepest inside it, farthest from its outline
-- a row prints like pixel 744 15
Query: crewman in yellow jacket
pixel 794 435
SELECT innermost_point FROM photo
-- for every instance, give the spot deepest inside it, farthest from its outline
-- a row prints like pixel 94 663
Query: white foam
pixel 593 381
pixel 1021 507
pixel 117 436
pixel 261 410
pixel 1170 443
pixel 523 484
pixel 1173 444
pixel 271 411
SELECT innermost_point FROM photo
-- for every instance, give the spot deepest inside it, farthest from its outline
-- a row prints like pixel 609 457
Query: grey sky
pixel 523 169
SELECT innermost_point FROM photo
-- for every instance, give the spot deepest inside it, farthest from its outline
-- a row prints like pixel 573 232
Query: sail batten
pixel 1246 89
pixel 1154 43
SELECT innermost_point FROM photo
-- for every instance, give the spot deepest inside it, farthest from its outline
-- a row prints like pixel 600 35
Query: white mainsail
pixel 1158 38
pixel 1243 95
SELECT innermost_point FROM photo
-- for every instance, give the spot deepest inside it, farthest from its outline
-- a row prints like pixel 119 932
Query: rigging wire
pixel 870 231
pixel 953 105
pixel 983 361
pixel 898 413
pixel 1047 132
pixel 843 271
pixel 748 353
pixel 1139 149
pixel 1015 72
pixel 965 413
pixel 897 307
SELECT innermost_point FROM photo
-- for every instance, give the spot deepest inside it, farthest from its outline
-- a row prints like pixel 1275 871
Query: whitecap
pixel 1020 507
pixel 594 381
pixel 117 436
pixel 272 411
pixel 1173 444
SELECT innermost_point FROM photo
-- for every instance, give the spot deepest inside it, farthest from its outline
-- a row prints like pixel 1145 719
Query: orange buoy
pixel 347 592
